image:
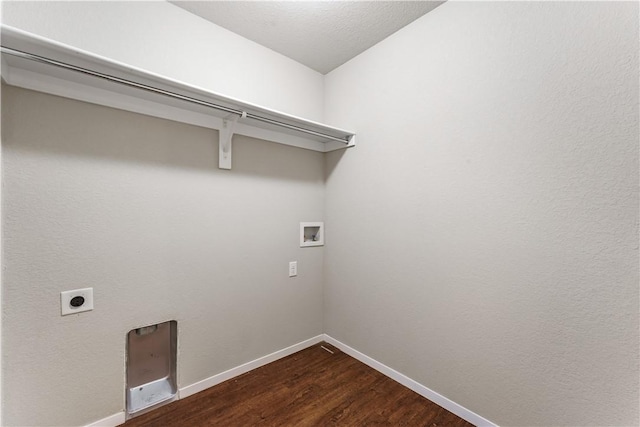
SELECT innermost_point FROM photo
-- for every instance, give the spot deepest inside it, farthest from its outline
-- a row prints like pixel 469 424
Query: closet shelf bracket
pixel 225 136
pixel 37 63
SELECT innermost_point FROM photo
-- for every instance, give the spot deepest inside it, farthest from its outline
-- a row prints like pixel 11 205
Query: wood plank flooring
pixel 310 388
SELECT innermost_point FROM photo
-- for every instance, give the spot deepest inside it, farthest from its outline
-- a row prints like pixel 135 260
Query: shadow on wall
pixel 69 128
pixel 331 162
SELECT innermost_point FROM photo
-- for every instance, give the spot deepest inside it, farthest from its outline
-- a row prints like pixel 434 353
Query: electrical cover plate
pixel 66 297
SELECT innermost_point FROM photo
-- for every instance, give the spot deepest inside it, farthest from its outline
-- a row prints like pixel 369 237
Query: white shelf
pixel 61 81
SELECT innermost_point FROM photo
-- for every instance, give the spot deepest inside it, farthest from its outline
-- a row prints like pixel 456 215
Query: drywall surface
pixel 137 208
pixel 160 37
pixel 484 232
pixel 1 379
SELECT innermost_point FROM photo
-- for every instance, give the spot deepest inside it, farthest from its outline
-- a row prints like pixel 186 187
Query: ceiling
pixel 319 34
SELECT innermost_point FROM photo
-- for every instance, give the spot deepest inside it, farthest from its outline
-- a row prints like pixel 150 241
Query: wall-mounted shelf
pixel 40 64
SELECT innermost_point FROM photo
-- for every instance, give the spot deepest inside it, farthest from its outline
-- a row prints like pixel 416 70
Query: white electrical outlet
pixel 76 301
pixel 293 268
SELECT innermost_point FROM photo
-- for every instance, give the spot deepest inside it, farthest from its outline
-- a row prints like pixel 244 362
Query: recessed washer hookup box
pixel 151 367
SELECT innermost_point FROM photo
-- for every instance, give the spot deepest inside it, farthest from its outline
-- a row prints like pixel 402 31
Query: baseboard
pixel 239 370
pixel 433 396
pixel 448 404
pixel 110 421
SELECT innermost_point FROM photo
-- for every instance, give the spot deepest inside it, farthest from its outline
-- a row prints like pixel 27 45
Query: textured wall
pixel 137 208
pixel 1 251
pixel 484 235
pixel 165 39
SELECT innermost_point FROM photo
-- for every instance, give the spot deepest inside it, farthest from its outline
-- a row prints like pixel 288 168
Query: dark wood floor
pixel 310 388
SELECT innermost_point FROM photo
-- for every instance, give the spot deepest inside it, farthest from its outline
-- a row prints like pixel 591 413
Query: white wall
pixel 1 269
pixel 137 208
pixel 482 237
pixel 483 234
pixel 165 39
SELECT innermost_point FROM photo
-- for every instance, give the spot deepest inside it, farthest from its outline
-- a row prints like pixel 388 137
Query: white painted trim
pixel 35 75
pixel 239 370
pixel 55 86
pixel 334 146
pixel 433 396
pixel 52 85
pixel 448 404
pixel 110 421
